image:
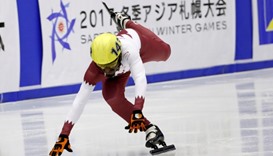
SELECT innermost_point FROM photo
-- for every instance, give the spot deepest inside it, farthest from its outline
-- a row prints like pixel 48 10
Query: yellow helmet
pixel 105 48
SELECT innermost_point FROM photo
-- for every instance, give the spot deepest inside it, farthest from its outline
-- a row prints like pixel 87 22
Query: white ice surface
pixel 224 115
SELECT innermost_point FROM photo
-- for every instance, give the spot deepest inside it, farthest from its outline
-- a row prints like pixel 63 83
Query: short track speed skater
pixel 154 136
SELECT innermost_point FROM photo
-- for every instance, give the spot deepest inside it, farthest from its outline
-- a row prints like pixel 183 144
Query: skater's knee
pixel 110 100
pixel 113 102
pixel 167 51
pixel 115 105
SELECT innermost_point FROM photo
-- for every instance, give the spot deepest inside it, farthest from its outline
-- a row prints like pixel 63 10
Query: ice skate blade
pixel 163 149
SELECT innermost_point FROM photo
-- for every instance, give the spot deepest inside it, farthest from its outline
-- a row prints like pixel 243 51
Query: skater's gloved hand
pixel 136 122
pixel 60 145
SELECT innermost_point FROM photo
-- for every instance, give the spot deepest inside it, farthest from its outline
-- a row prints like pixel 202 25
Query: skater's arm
pixel 91 77
pixel 79 102
pixel 77 107
pixel 72 117
pixel 139 76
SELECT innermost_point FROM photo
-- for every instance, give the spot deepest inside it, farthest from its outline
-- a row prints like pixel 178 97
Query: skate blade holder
pixel 163 149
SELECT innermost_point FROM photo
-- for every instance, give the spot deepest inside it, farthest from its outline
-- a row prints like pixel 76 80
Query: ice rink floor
pixel 225 115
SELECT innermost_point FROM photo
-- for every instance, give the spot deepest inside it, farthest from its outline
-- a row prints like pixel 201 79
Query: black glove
pixel 119 18
pixel 60 145
pixel 136 122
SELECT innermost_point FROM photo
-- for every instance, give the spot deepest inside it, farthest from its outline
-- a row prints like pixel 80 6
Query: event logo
pixel 2 25
pixel 62 27
pixel 265 14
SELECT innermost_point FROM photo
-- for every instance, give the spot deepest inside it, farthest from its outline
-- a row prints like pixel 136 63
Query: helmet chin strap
pixel 116 69
pixel 108 75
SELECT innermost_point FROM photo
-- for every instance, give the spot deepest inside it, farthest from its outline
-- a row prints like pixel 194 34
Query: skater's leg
pixel 113 92
pixel 152 47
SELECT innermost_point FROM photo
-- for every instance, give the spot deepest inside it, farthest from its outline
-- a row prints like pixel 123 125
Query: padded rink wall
pixel 44 45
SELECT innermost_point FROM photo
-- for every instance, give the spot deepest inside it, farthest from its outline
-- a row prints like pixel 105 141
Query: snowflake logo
pixel 62 27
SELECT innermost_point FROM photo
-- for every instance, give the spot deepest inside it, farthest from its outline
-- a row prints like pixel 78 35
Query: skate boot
pixel 121 19
pixel 155 137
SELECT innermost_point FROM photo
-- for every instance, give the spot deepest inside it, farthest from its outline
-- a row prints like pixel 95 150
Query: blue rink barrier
pixel 71 89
